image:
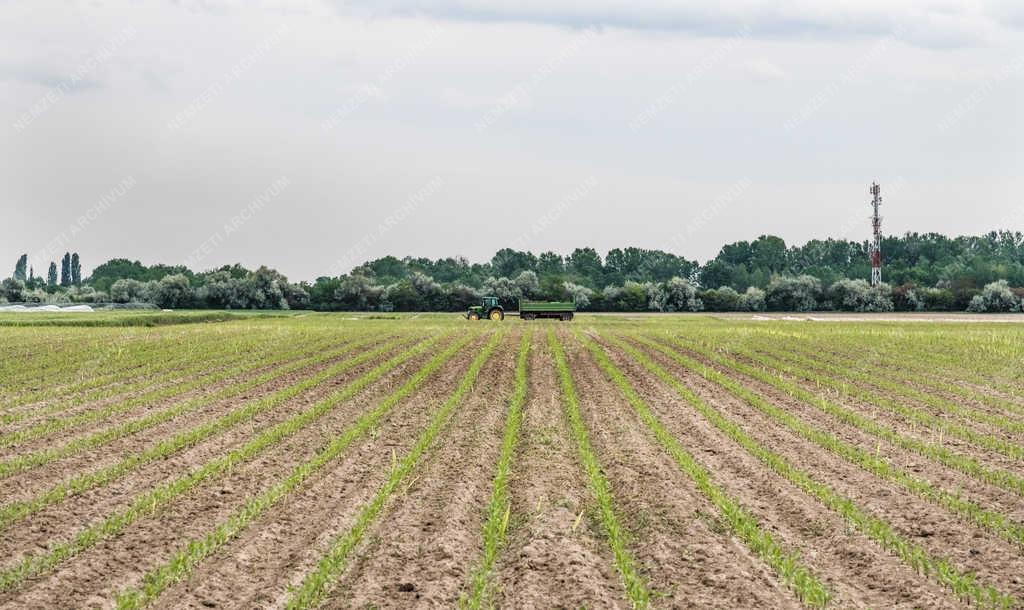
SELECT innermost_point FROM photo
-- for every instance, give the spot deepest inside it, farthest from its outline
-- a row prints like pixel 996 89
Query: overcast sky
pixel 310 136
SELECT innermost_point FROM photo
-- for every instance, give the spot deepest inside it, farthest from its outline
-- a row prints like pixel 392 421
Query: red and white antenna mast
pixel 876 244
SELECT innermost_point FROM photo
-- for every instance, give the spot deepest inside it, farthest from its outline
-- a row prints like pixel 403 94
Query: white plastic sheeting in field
pixel 46 308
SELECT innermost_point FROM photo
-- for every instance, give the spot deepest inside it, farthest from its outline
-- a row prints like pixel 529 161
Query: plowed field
pixel 345 461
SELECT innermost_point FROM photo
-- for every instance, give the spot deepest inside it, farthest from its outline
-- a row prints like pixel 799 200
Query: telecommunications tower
pixel 876 244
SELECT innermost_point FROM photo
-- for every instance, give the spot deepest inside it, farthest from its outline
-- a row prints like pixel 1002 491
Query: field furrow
pixel 551 556
pixel 155 501
pixel 681 533
pixel 388 460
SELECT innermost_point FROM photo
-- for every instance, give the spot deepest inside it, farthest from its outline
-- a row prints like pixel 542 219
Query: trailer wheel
pixel 474 316
pixel 497 315
pixel 526 316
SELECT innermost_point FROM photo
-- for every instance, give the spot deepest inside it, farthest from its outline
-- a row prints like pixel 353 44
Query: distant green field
pixel 129 317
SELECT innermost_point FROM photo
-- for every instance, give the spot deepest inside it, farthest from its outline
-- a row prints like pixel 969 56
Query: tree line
pixel 923 272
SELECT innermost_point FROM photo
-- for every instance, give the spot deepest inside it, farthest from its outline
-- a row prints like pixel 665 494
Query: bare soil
pixel 550 560
pixel 95 574
pixel 859 572
pixel 421 549
pixel 689 560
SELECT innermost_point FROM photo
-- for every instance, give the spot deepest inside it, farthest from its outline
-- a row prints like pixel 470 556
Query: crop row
pixel 316 583
pixel 969 510
pixel 150 502
pixel 917 416
pixel 224 357
pixel 165 361
pixel 892 370
pixel 44 456
pixel 889 383
pixel 185 385
pixel 786 564
pixel 79 368
pixel 1004 479
pixel 964 585
pixel 499 507
pixel 15 511
pixel 929 353
pixel 636 588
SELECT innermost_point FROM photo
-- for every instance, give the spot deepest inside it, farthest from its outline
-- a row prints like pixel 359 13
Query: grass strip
pixel 98 439
pixel 786 564
pixel 154 500
pixel 1000 478
pixel 991 520
pixel 10 513
pixel 636 589
pixel 499 507
pixel 184 561
pixel 964 585
pixel 315 585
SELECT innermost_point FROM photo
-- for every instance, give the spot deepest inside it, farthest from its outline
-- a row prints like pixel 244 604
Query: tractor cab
pixel 488 308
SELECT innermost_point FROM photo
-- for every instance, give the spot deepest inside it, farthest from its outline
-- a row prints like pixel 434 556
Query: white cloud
pixel 763 69
pixel 403 94
pixel 929 23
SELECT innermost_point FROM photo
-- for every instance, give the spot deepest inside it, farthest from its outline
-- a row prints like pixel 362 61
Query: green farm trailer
pixel 528 310
pixel 559 310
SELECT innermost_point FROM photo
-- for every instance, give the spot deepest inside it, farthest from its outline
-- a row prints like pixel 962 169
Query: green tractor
pixel 488 308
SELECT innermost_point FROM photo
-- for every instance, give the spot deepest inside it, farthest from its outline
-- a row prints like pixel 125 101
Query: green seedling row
pixel 186 385
pixel 185 561
pixel 787 565
pixel 317 583
pixel 912 414
pixel 15 511
pixel 887 370
pixel 637 591
pixel 110 361
pixel 145 367
pixel 499 507
pixel 207 366
pixel 819 365
pixel 964 585
pixel 156 499
pixel 964 508
pixel 1000 478
pixel 103 437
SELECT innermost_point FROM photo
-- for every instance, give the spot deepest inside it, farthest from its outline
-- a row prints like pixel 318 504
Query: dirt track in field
pixel 422 547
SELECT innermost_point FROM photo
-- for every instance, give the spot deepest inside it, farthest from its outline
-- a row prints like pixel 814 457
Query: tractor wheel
pixel 474 316
pixel 497 315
